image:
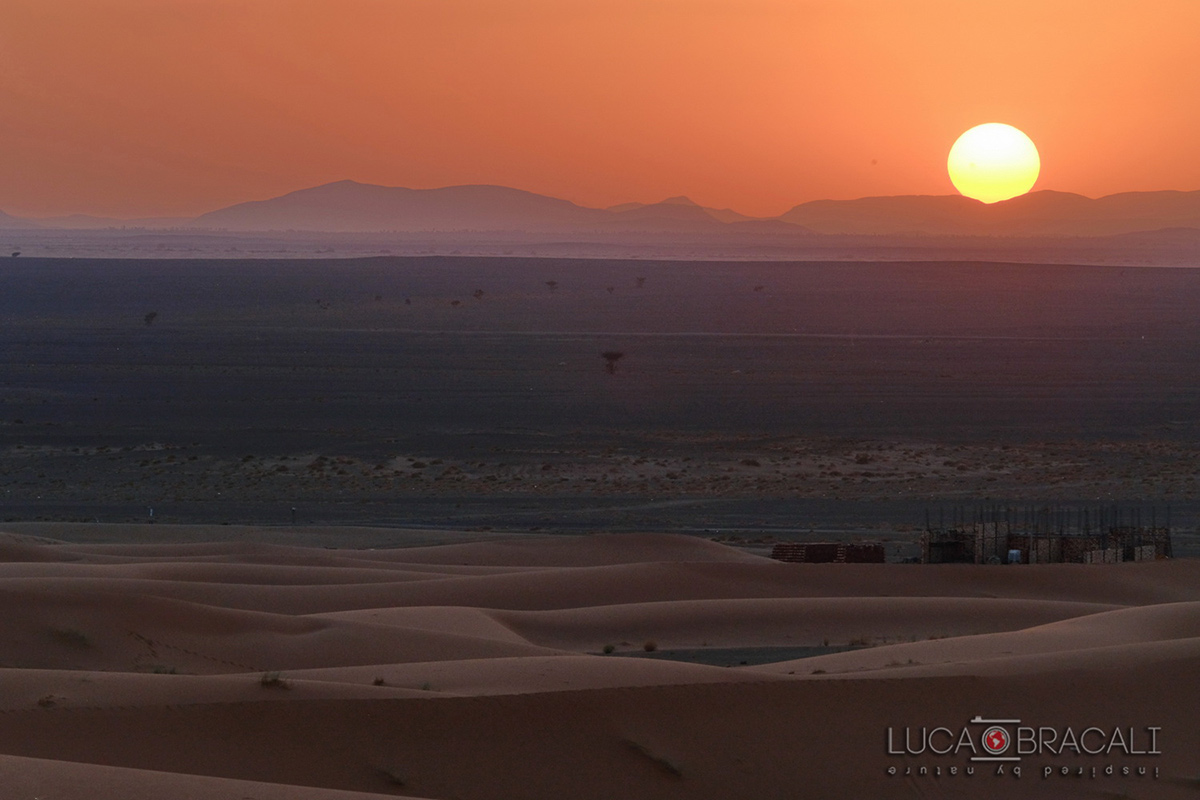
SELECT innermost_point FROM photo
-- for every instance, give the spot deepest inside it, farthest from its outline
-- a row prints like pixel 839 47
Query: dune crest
pixel 548 667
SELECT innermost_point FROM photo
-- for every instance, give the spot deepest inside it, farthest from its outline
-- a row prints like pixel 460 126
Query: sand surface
pixel 478 670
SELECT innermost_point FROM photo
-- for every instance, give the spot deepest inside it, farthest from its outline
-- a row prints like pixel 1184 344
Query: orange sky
pixel 140 107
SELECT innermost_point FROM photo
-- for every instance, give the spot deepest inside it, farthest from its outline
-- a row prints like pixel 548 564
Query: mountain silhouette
pixel 15 223
pixel 674 213
pixel 673 207
pixel 352 206
pixel 359 207
pixel 1044 213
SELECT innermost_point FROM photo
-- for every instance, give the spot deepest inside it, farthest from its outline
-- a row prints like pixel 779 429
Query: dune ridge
pixel 235 669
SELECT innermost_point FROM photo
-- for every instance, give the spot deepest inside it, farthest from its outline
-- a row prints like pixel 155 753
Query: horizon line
pixel 166 217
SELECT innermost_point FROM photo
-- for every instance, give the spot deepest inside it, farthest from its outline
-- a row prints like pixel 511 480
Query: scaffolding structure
pixel 1045 535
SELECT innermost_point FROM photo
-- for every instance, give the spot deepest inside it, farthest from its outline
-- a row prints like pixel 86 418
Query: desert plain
pixel 397 527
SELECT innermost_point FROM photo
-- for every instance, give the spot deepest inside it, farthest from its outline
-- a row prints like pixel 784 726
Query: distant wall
pixel 828 553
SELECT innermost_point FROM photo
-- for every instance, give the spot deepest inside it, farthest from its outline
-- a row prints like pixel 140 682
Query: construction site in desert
pixel 1046 535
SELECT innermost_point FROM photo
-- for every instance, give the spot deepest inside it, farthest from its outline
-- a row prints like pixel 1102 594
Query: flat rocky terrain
pixel 750 399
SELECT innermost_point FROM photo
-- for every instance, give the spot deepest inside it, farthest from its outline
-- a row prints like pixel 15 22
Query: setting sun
pixel 993 162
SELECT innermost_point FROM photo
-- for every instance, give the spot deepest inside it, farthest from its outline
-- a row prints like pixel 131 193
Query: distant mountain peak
pixel 352 206
pixel 1041 213
pixel 359 207
pixel 16 223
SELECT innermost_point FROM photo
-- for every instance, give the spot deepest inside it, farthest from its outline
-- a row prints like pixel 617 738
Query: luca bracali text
pixel 1010 748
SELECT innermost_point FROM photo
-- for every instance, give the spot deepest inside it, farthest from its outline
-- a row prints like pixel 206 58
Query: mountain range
pixel 1044 213
pixel 349 206
pixel 10 223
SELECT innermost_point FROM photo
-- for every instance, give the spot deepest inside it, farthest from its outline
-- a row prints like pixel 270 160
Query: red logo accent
pixel 995 740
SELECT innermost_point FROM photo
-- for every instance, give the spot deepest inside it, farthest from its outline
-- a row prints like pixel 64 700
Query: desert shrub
pixel 608 648
pixel 611 357
pixel 273 680
pixel 650 646
pixel 72 637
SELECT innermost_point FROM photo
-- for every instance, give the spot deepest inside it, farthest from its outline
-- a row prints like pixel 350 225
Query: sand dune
pixel 1124 627
pixel 470 621
pixel 56 626
pixel 618 584
pixel 37 778
pixel 24 689
pixel 804 738
pixel 570 551
pixel 1182 655
pixel 782 621
pixel 474 671
pixel 734 622
pixel 210 572
pixel 533 674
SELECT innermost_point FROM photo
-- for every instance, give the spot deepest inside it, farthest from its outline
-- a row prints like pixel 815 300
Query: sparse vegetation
pixel 650 646
pixel 273 680
pixel 73 637
pixel 609 648
pixel 379 682
pixel 611 357
pixel 46 701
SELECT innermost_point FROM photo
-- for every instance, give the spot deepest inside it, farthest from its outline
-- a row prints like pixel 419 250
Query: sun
pixel 993 162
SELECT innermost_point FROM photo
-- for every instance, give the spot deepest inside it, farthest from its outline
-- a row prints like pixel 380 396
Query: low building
pixel 829 552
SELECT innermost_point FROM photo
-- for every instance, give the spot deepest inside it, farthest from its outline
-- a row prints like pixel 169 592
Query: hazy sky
pixel 139 107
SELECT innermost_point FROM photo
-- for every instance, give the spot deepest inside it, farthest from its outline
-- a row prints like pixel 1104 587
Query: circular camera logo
pixel 995 740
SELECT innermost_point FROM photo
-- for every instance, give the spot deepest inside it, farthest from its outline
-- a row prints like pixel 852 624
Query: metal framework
pixel 1045 535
